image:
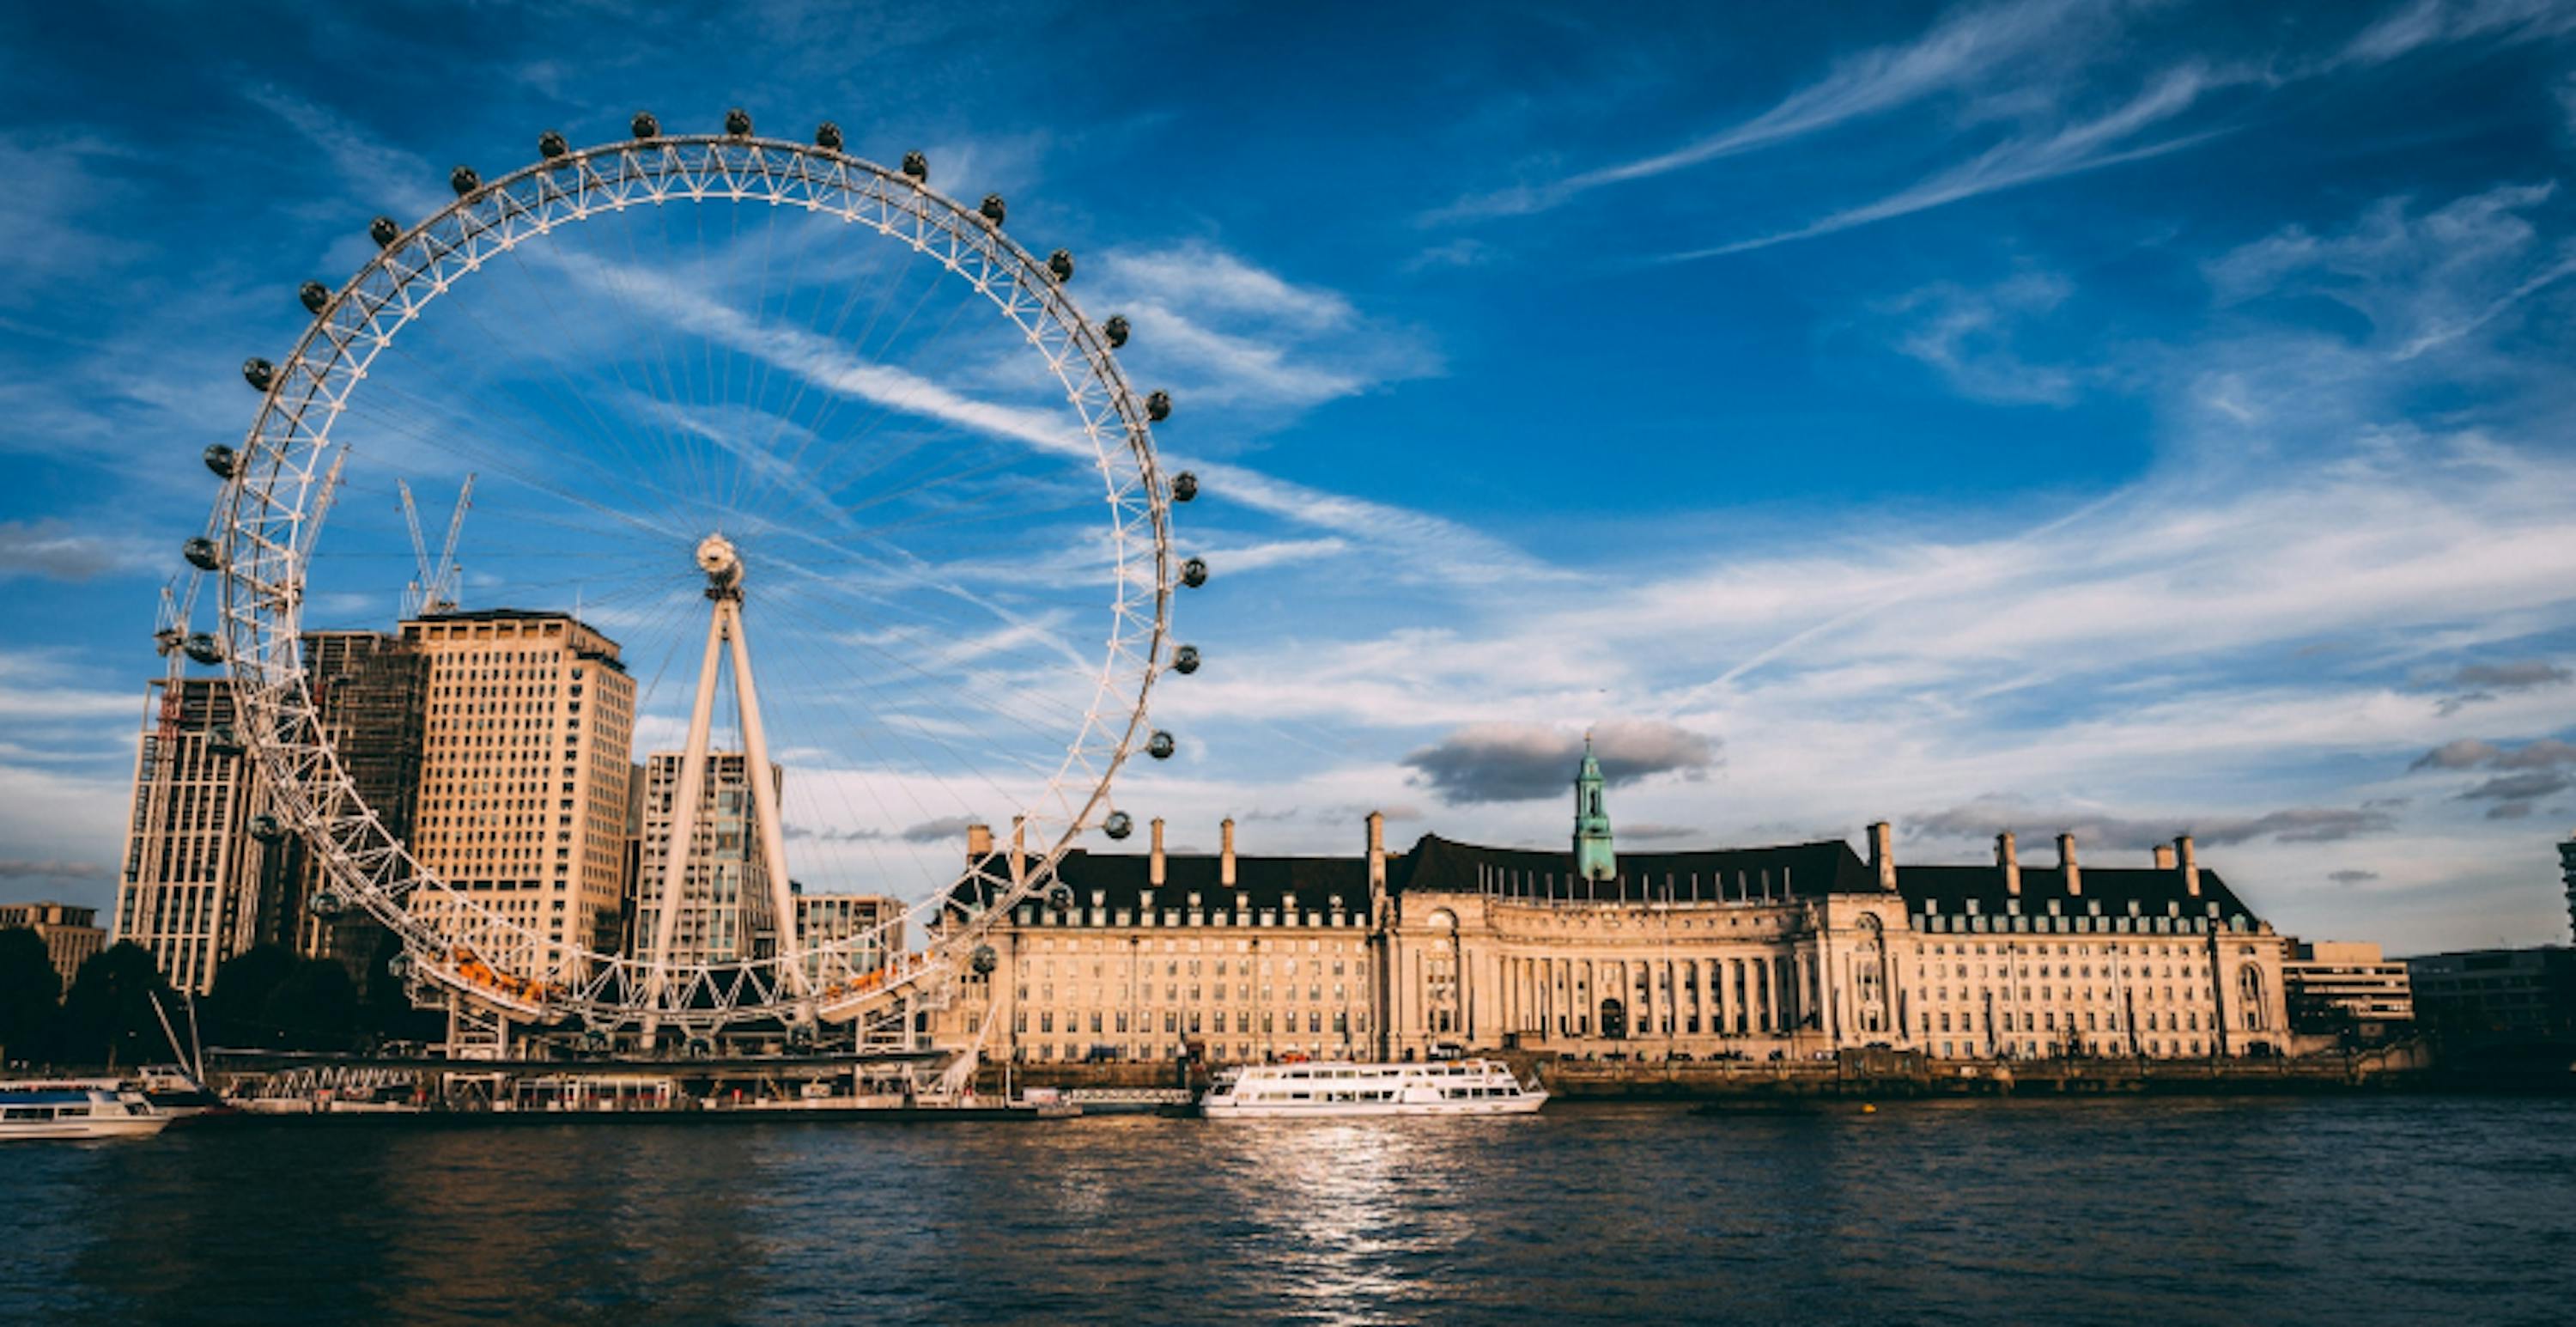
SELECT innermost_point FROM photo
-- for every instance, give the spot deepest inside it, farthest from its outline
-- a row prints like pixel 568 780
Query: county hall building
pixel 1772 952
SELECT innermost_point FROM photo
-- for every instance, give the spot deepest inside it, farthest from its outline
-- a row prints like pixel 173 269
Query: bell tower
pixel 1593 856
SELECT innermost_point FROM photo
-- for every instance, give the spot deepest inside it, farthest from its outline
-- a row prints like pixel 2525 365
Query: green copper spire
pixel 1593 857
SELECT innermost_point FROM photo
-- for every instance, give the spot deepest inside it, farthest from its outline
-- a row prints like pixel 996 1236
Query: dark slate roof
pixel 2153 889
pixel 1261 882
pixel 1795 870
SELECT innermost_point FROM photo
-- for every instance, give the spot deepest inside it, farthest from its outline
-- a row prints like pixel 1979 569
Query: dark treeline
pixel 266 997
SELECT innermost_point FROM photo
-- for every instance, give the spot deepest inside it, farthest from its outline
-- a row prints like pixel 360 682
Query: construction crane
pixel 435 590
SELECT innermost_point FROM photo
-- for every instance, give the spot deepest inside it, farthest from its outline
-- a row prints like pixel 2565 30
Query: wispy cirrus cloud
pixel 1967 46
pixel 2109 139
pixel 2425 23
pixel 1967 336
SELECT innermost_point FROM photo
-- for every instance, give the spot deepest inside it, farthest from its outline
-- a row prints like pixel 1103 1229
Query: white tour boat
pixel 1461 1087
pixel 77 1108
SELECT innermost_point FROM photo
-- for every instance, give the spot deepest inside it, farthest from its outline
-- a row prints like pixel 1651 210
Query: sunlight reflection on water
pixel 2328 1210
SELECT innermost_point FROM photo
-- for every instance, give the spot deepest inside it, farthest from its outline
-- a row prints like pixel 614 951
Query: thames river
pixel 2341 1210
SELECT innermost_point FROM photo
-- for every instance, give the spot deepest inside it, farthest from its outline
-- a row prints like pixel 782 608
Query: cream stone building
pixel 71 933
pixel 1762 953
pixel 524 771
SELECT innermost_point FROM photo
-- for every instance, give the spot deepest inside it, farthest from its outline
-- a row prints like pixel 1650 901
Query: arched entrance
pixel 1614 1020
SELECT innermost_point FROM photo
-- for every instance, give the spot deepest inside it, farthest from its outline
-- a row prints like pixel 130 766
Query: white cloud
pixel 2024 159
pixel 1969 46
pixel 1967 336
pixel 2423 23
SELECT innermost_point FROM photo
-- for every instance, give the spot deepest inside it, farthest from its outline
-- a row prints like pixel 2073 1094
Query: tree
pixel 108 1017
pixel 386 1012
pixel 30 991
pixel 237 1008
pixel 314 1009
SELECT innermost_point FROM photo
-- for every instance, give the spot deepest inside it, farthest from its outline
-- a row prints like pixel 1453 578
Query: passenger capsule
pixel 259 373
pixel 738 122
pixel 1060 897
pixel 315 295
pixel 827 136
pixel 223 460
pixel 464 181
pixel 1194 573
pixel 1158 407
pixel 917 166
pixel 551 145
pixel 384 231
pixel 1116 330
pixel 201 554
pixel 202 648
pixel 327 903
pixel 992 208
pixel 1185 486
pixel 399 966
pixel 984 961
pixel 1061 263
pixel 1119 825
pixel 645 126
pixel 1161 746
pixel 1185 660
pixel 266 828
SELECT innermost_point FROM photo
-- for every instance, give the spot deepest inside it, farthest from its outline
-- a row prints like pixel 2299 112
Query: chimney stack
pixel 2164 857
pixel 2010 860
pixel 2066 864
pixel 1154 864
pixel 2190 866
pixel 1882 854
pixel 1225 861
pixel 979 841
pixel 1019 849
pixel 1376 851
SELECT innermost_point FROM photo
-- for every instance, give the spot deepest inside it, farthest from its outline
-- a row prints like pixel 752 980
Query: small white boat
pixel 1281 1091
pixel 76 1108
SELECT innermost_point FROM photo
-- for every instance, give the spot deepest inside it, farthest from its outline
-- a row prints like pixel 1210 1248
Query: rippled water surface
pixel 2338 1210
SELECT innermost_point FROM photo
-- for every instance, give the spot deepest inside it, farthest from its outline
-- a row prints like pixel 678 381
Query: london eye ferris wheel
pixel 741 408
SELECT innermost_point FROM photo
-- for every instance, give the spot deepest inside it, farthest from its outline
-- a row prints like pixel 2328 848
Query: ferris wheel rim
pixel 262 617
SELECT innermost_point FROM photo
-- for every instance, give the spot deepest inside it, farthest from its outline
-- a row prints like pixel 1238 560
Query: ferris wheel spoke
pixel 926 566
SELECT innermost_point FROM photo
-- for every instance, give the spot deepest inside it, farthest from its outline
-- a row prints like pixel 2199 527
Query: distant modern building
pixel 2337 986
pixel 725 909
pixel 1786 951
pixel 70 932
pixel 371 694
pixel 194 885
pixel 2511 993
pixel 830 919
pixel 523 775
pixel 2567 877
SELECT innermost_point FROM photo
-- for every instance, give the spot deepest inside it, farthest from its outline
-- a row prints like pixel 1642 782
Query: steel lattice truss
pixel 269 516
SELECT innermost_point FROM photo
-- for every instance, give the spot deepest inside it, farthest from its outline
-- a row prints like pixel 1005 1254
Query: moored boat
pixel 74 1109
pixel 1282 1091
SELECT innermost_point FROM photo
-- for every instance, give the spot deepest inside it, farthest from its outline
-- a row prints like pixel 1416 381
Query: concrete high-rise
pixel 725 910
pixel 371 693
pixel 194 885
pixel 524 767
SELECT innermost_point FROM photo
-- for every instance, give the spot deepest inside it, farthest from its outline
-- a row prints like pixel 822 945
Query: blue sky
pixel 2131 418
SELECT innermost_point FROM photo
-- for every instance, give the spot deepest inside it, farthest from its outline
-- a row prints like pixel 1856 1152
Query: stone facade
pixel 1784 952
pixel 71 933
pixel 524 770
